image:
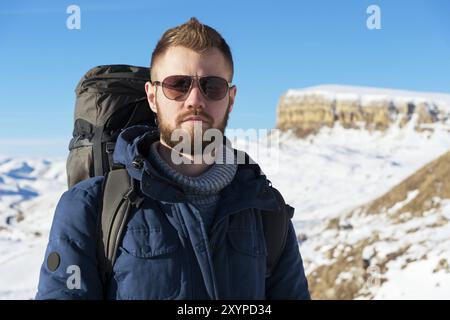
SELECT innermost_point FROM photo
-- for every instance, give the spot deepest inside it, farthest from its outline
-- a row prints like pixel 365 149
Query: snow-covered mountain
pixel 29 191
pixel 370 223
pixel 362 232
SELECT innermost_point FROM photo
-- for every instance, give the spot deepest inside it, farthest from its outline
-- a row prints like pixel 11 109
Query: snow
pixel 326 175
pixel 339 168
pixel 409 197
pixel 368 94
pixel 32 187
pixel 417 281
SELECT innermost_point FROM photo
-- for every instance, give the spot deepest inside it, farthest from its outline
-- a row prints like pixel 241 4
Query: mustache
pixel 199 113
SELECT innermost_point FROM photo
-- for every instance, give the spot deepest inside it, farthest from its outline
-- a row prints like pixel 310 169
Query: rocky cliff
pixel 307 110
pixel 404 229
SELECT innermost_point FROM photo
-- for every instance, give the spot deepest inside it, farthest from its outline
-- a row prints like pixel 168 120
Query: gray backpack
pixel 109 98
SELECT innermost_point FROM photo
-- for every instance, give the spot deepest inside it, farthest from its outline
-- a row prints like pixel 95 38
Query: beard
pixel 196 132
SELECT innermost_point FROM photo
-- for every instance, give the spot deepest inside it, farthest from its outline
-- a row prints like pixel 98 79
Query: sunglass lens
pixel 215 88
pixel 175 87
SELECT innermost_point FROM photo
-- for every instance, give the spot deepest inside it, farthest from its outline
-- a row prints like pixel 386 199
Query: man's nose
pixel 195 98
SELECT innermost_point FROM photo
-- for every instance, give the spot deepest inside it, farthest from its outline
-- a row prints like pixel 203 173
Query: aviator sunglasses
pixel 177 87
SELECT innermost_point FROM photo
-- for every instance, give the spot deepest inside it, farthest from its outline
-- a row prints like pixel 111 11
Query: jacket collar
pixel 249 188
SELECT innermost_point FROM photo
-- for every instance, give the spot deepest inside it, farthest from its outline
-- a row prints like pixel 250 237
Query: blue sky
pixel 276 45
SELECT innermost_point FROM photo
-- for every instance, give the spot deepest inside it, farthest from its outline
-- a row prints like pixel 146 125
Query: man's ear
pixel 151 95
pixel 232 96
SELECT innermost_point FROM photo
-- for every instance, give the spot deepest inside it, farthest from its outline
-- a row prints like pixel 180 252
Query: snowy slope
pixel 29 191
pixel 327 175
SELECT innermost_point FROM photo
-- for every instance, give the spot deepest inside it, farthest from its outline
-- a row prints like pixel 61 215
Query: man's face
pixel 173 114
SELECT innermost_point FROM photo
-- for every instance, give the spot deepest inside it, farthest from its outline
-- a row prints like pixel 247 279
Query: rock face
pixel 406 227
pixel 418 194
pixel 307 110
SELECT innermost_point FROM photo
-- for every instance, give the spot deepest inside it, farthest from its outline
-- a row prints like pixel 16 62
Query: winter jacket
pixel 165 252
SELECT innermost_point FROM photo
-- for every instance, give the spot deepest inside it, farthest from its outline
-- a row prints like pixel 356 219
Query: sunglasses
pixel 178 87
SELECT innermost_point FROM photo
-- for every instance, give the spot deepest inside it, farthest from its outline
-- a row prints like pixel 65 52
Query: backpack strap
pixel 275 223
pixel 276 228
pixel 118 196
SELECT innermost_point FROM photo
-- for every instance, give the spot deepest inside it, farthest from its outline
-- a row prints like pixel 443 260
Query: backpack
pixel 109 99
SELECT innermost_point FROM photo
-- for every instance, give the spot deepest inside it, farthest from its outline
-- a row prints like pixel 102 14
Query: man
pixel 198 233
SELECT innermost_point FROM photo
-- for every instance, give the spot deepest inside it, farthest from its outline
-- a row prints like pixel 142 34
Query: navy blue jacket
pixel 166 253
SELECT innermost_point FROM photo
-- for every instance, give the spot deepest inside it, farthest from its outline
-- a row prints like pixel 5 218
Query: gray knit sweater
pixel 203 190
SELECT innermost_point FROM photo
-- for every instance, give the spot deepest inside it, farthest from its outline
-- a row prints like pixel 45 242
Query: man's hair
pixel 195 36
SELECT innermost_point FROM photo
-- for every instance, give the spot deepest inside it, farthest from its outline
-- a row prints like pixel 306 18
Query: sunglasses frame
pixel 197 79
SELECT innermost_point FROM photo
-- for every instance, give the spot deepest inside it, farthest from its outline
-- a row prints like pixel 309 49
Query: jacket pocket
pixel 246 264
pixel 247 242
pixel 149 265
pixel 149 243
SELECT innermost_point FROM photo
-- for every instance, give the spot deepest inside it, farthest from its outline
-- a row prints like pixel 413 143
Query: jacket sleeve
pixel 69 270
pixel 288 280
